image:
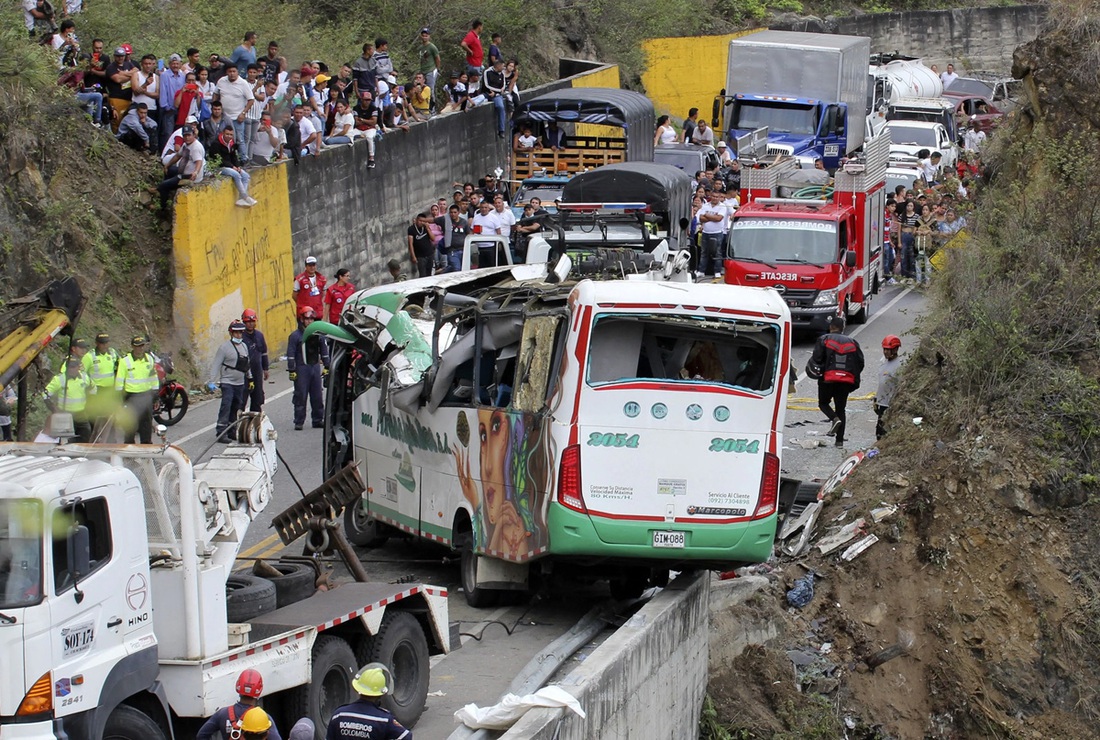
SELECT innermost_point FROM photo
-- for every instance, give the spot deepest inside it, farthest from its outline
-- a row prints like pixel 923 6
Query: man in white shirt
pixel 269 143
pixel 145 84
pixel 485 221
pixel 703 135
pixel 189 161
pixel 311 137
pixel 235 95
pixel 714 217
pixel 949 76
pixel 974 137
pixel 506 217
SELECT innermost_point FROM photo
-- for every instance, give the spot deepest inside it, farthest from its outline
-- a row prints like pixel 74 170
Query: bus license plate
pixel 668 539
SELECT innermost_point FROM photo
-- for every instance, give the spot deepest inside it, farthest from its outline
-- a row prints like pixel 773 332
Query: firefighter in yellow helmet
pixel 366 717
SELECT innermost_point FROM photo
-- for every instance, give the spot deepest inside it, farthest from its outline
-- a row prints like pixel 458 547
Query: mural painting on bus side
pixel 508 489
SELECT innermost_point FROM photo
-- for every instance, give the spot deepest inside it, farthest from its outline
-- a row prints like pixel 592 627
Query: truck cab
pixel 823 256
pixel 796 126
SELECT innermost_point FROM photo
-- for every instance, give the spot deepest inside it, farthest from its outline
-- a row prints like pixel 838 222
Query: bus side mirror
pixel 850 258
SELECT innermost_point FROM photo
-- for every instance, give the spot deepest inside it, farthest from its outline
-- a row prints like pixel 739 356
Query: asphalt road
pixel 497 643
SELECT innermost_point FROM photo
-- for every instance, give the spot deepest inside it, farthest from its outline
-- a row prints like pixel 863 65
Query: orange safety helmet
pixel 307 313
pixel 891 341
pixel 248 315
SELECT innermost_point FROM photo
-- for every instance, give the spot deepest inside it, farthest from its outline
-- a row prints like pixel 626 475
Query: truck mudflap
pixel 282 641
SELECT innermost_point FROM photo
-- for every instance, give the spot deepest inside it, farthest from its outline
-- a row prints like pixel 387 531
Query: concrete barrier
pixel 648 680
pixel 229 258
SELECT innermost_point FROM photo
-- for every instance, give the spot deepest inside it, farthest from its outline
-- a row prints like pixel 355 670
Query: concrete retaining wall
pixel 972 38
pixel 648 680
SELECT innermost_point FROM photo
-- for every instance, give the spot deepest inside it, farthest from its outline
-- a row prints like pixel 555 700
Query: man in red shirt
pixel 309 288
pixel 472 46
pixel 337 295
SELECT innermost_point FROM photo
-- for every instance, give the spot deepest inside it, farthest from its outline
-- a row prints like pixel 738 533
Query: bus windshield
pixel 774 240
pixel 688 349
pixel 21 529
pixel 783 118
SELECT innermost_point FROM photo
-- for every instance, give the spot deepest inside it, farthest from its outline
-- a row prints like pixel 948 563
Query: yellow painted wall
pixel 683 73
pixel 230 258
pixel 604 77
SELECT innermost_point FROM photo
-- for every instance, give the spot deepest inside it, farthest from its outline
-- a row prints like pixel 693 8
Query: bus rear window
pixel 682 348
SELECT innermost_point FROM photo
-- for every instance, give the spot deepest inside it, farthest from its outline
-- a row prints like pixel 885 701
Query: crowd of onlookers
pixel 203 113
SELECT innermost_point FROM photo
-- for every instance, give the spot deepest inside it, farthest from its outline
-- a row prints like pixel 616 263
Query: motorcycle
pixel 170 404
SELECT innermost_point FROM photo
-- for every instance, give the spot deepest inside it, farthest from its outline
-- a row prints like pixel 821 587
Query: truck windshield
pixel 912 135
pixel 783 240
pixel 21 529
pixel 783 118
pixel 687 349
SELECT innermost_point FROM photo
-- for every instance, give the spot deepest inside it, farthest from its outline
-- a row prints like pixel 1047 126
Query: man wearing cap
pixel 428 55
pixel 118 81
pixel 309 288
pixel 307 361
pixel 724 158
pixel 68 391
pixel 231 372
pixel 257 356
pixel 101 365
pixel 136 380
pixel 189 161
pixel 366 717
pixel 172 80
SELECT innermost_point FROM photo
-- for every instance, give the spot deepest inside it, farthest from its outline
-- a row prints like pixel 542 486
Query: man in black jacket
pixel 839 360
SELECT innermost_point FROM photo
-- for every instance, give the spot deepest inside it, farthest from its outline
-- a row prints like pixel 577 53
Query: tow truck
pixel 821 252
pixel 120 613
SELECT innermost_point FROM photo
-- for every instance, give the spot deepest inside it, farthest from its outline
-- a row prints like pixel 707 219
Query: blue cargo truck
pixel 808 89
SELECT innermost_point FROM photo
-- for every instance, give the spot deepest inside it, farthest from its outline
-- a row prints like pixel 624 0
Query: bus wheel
pixel 363 529
pixel 478 598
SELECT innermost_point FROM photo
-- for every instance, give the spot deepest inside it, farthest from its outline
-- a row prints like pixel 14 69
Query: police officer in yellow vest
pixel 68 391
pixel 101 365
pixel 137 381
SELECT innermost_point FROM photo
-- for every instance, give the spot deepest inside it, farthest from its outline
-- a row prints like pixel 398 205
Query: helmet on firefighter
pixel 248 315
pixel 891 341
pixel 255 722
pixel 250 683
pixel 372 679
pixel 307 313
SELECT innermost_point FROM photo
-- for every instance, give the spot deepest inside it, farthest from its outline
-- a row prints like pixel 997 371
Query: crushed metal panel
pixel 804 523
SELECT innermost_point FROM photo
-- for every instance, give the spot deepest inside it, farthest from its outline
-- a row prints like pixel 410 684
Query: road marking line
pixel 267 542
pixel 179 442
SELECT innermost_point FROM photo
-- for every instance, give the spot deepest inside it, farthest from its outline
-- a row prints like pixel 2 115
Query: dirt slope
pixel 986 582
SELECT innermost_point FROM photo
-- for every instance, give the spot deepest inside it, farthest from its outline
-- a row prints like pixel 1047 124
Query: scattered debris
pixel 803 591
pixel 809 444
pixel 901 647
pixel 883 511
pixel 804 523
pixel 857 549
pixel 897 479
pixel 917 420
pixel 437 693
pixel 847 533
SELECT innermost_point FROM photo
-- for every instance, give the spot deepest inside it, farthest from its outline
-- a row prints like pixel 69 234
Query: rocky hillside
pixel 978 612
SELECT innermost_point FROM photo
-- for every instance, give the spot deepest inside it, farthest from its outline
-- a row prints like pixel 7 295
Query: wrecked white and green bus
pixel 622 428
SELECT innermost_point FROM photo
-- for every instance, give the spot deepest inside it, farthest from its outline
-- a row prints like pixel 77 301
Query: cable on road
pixel 507 629
pixel 290 472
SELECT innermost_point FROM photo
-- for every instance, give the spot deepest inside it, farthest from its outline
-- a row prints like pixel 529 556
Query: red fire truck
pixel 822 256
